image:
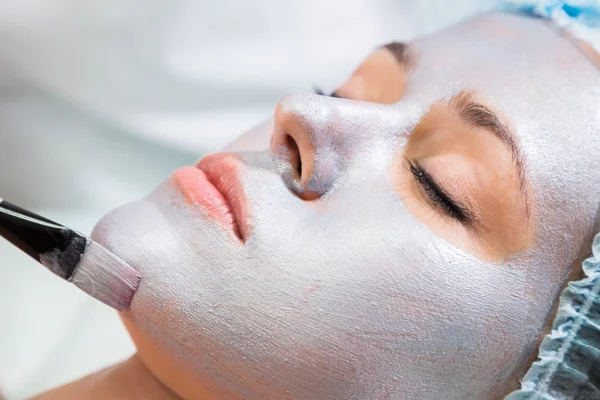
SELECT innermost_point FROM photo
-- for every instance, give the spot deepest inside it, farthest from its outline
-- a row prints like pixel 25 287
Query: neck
pixel 127 380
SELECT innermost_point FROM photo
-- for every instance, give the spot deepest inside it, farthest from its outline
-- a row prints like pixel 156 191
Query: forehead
pixel 547 92
pixel 496 54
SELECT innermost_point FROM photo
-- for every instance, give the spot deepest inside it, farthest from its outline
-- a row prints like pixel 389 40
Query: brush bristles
pixel 106 277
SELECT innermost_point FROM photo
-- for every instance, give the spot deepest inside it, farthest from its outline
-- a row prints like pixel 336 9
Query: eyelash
pixel 437 195
pixel 320 92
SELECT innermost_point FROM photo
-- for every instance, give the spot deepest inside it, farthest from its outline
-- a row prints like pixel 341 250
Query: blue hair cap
pixel 568 365
pixel 579 17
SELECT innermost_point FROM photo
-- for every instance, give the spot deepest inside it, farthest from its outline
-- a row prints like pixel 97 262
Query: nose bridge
pixel 341 124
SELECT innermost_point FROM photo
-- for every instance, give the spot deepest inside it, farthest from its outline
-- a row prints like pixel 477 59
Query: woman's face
pixel 410 250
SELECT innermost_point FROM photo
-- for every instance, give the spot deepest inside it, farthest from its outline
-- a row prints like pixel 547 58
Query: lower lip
pixel 199 191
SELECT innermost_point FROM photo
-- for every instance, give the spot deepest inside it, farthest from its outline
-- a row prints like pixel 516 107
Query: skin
pixel 127 380
pixel 304 305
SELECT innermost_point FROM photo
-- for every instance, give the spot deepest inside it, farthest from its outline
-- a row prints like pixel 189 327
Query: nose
pixel 315 138
pixel 307 145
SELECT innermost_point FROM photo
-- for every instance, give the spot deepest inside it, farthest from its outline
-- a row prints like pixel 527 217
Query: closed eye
pixel 437 196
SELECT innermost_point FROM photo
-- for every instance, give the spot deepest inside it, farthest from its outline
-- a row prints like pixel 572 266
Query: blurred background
pixel 102 100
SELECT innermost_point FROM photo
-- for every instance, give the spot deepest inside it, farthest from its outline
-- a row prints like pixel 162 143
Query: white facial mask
pixel 351 296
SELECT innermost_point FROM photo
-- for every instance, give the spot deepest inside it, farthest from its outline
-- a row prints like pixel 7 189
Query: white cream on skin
pixel 350 296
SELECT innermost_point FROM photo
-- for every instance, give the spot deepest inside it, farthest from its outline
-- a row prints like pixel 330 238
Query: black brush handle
pixel 38 236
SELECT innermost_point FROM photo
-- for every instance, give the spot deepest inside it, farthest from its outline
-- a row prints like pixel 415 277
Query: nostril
pixel 293 152
pixel 294 178
pixel 294 155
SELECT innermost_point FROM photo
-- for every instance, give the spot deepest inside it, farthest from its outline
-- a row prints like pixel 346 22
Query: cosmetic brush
pixel 72 256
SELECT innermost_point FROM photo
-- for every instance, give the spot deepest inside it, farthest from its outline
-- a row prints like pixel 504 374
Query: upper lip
pixel 222 170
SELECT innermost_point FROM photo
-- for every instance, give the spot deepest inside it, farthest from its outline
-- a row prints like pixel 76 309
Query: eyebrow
pixel 478 115
pixel 401 52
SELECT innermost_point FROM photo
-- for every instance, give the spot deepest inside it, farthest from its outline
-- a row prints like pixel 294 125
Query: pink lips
pixel 213 185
